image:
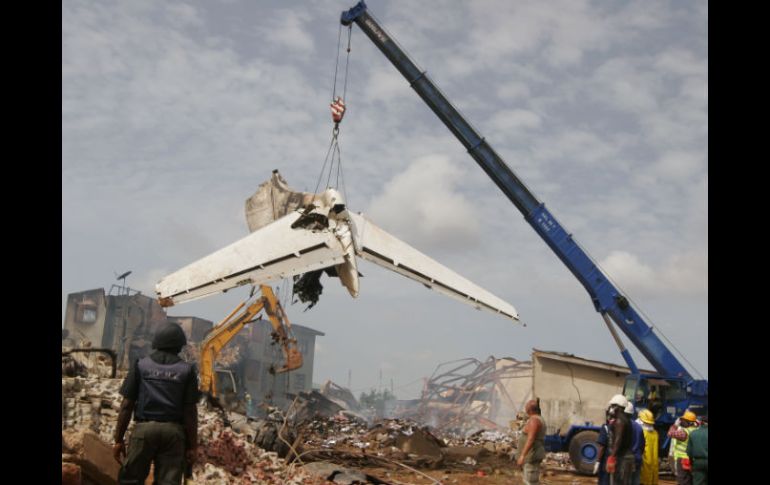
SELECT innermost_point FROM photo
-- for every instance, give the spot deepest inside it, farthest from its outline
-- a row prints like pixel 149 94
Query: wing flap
pixel 379 247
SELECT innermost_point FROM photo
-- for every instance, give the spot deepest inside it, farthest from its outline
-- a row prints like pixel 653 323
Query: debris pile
pixel 340 395
pixel 462 396
pixel 91 403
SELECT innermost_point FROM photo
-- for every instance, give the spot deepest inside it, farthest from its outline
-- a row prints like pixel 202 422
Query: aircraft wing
pixel 375 245
pixel 276 251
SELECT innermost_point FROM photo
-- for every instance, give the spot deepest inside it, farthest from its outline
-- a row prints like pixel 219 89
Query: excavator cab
pixel 226 388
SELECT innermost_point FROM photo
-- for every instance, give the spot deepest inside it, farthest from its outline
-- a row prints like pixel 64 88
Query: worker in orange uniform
pixel 680 431
pixel 649 473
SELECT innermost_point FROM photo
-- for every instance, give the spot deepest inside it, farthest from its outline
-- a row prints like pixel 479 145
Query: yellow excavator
pixel 234 323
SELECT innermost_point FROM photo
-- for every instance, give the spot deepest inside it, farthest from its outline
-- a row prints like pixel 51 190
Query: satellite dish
pixel 124 275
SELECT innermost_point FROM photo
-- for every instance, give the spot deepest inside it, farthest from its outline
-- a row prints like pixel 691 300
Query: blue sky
pixel 174 112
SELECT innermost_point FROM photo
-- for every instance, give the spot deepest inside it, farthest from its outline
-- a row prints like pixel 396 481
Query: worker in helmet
pixel 680 431
pixel 600 467
pixel 531 448
pixel 649 470
pixel 161 391
pixel 698 451
pixel 620 461
pixel 637 444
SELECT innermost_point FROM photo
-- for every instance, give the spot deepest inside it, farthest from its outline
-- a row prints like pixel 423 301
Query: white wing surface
pixel 375 245
pixel 273 252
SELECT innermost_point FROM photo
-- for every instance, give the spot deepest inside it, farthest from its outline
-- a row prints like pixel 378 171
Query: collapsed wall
pixel 89 417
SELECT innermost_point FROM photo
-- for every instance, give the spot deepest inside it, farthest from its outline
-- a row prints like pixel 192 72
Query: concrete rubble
pixel 89 412
pixel 316 443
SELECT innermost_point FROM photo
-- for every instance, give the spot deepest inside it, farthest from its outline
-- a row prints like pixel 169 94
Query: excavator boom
pixel 228 328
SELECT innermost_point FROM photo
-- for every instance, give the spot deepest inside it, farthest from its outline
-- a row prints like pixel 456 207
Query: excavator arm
pixel 228 328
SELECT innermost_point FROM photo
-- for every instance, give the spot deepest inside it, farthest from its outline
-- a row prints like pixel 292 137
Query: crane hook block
pixel 338 109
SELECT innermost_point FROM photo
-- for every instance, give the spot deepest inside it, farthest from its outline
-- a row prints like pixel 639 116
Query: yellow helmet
pixel 689 416
pixel 646 416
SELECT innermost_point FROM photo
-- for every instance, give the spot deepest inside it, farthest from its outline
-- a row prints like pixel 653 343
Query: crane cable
pixel 333 153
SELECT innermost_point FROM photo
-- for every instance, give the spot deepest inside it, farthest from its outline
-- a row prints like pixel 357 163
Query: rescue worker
pixel 531 444
pixel 620 462
pixel 637 444
pixel 600 467
pixel 698 451
pixel 249 405
pixel 680 431
pixel 161 390
pixel 649 471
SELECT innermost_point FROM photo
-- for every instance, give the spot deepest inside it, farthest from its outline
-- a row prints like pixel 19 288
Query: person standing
pixel 161 391
pixel 637 444
pixel 620 462
pixel 698 451
pixel 600 467
pixel 531 444
pixel 680 431
pixel 649 471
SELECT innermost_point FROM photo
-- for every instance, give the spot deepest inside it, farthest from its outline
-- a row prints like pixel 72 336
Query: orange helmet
pixel 689 416
pixel 646 416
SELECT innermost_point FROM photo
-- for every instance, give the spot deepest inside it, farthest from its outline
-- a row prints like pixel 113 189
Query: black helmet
pixel 170 336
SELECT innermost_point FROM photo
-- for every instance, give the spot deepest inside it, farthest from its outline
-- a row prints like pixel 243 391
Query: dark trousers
pixel 700 471
pixel 624 470
pixel 160 443
pixel 683 477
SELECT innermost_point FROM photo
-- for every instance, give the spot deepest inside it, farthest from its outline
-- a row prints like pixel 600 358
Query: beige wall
pixel 82 330
pixel 516 391
pixel 572 392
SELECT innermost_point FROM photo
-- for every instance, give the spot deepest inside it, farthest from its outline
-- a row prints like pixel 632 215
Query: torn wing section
pixel 375 245
pixel 274 252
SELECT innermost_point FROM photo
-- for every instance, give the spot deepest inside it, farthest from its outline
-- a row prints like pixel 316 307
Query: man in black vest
pixel 162 391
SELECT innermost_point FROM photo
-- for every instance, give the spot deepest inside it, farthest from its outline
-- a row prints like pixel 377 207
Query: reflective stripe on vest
pixel 680 449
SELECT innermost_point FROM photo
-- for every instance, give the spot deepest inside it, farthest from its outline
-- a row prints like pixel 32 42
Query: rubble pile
pixel 90 403
pixel 558 460
pixel 461 395
pixel 229 457
pixel 338 430
pixel 494 441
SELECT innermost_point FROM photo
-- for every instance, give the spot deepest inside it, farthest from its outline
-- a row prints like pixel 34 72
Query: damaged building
pixel 125 323
pixel 122 322
pixel 467 395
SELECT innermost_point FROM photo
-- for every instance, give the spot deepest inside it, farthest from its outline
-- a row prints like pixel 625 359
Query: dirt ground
pixel 495 476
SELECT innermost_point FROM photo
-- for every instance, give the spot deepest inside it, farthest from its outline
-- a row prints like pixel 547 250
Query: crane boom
pixel 607 299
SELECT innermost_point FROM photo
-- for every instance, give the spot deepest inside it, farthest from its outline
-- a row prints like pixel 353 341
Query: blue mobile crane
pixel 669 392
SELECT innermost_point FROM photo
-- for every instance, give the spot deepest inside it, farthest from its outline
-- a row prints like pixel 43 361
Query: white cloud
pixel 506 121
pixel 682 273
pixel 679 165
pixel 423 205
pixel 289 30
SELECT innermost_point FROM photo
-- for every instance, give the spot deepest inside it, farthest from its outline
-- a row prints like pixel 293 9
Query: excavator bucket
pixel 293 360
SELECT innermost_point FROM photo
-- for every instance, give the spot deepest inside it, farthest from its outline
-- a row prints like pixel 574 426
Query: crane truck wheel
pixel 583 451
